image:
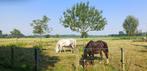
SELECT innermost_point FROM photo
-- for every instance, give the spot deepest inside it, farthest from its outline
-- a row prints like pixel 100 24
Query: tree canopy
pixel 40 26
pixel 1 32
pixel 16 33
pixel 121 33
pixel 130 25
pixel 83 18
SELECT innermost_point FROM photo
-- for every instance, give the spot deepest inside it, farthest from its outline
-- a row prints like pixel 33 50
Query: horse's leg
pixel 72 48
pixel 92 59
pixel 85 55
pixel 91 55
pixel 101 55
pixel 61 48
pixel 107 59
pixel 57 48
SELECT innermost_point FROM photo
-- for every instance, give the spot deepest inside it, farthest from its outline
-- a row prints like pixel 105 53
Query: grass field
pixel 135 55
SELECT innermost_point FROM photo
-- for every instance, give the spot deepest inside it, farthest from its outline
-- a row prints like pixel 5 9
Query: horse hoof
pixel 107 61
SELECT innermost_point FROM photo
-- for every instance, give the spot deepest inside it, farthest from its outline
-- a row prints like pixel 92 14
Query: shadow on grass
pixel 23 59
pixel 48 63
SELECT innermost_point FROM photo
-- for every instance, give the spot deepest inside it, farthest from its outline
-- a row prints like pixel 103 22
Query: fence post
pixel 12 56
pixel 36 58
pixel 122 59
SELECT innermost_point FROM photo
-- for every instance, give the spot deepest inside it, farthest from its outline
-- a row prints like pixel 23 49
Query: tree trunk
pixel 84 34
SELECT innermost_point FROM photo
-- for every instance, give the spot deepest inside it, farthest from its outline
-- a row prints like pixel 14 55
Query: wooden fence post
pixel 122 59
pixel 12 56
pixel 36 58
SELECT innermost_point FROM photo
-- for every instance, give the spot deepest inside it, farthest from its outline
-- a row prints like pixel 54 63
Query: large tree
pixel 83 18
pixel 130 25
pixel 40 26
pixel 16 33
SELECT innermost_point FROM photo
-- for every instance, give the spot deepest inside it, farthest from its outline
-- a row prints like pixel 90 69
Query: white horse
pixel 61 44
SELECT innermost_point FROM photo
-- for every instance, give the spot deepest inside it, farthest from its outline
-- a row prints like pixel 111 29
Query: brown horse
pixel 97 47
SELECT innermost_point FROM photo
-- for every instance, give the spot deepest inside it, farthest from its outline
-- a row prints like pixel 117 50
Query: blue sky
pixel 19 14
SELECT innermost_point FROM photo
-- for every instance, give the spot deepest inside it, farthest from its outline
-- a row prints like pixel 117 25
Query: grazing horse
pixel 68 43
pixel 97 47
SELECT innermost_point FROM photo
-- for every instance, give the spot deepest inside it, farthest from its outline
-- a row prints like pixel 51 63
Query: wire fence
pixel 33 59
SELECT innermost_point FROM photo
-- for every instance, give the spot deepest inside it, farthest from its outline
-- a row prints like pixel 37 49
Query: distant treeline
pixel 66 36
pixel 47 36
pixel 138 34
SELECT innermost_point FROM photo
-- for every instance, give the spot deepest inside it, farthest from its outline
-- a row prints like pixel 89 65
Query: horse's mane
pixel 91 41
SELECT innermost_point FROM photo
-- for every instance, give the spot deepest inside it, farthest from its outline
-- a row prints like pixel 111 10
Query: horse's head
pixel 83 61
pixel 84 56
pixel 86 48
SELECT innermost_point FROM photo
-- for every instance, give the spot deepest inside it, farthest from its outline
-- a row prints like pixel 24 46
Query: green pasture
pixel 135 55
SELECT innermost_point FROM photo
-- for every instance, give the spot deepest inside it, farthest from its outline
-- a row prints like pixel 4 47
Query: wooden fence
pixel 36 59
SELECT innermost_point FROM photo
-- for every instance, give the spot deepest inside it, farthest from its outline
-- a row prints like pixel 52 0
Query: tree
pixel 57 35
pixel 83 18
pixel 47 36
pixel 121 33
pixel 139 33
pixel 1 33
pixel 130 25
pixel 40 26
pixel 16 33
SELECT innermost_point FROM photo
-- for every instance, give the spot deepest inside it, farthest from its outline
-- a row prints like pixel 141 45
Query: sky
pixel 20 13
